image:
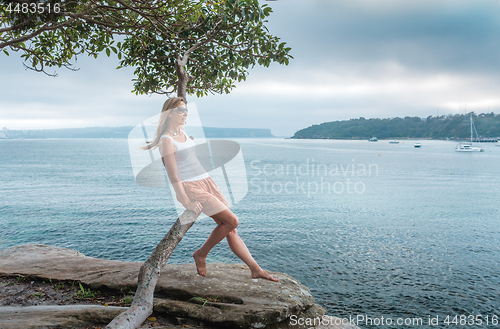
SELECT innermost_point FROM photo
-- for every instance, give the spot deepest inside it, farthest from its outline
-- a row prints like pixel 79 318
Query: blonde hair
pixel 162 125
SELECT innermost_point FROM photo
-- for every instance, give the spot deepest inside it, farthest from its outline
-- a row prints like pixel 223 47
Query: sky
pixel 352 58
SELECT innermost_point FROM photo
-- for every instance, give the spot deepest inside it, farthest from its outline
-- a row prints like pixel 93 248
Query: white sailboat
pixel 468 147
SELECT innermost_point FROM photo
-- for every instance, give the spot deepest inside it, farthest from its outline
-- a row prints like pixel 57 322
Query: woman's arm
pixel 167 151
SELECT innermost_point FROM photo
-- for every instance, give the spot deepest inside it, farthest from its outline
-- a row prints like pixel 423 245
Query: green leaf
pixel 153 49
pixel 6 52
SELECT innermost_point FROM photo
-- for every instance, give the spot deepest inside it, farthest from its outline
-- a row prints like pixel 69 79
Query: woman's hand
pixel 194 206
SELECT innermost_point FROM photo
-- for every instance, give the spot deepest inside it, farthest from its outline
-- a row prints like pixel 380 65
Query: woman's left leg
pixel 239 248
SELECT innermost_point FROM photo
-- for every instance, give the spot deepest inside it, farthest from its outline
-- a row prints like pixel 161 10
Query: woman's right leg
pixel 226 222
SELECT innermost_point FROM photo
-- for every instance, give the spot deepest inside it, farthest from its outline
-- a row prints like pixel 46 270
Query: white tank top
pixel 189 167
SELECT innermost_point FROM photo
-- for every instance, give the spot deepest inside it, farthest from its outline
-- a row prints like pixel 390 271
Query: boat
pixel 468 147
pixel 417 145
pixel 394 142
pixel 373 139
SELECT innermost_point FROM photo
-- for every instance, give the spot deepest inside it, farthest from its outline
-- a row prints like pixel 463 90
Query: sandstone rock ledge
pixel 237 301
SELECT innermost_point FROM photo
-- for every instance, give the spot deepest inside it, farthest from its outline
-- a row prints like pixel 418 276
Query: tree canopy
pixel 442 127
pixel 177 46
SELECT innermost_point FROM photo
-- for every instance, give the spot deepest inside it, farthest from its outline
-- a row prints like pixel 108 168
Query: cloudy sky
pixel 370 58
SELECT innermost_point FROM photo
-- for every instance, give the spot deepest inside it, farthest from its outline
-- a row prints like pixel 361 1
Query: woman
pixel 195 189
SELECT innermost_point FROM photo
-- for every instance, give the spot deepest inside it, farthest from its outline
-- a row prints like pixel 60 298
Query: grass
pixel 205 300
pixel 37 295
pixel 127 300
pixel 21 278
pixel 83 293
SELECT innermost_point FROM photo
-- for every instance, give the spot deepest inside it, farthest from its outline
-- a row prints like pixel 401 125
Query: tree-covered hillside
pixel 451 126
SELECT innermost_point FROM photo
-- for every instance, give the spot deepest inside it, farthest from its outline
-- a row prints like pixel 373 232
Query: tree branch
pixel 18 26
pixel 34 34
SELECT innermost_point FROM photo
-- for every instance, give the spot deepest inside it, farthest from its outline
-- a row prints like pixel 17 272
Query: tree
pixel 178 46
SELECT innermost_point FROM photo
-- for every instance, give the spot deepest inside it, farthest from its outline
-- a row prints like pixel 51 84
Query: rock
pixel 49 262
pixel 67 316
pixel 232 297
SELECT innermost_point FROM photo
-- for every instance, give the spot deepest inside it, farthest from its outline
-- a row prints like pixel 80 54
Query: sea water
pixel 375 230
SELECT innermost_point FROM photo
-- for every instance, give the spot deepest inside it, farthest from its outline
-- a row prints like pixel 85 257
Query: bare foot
pixel 263 275
pixel 201 263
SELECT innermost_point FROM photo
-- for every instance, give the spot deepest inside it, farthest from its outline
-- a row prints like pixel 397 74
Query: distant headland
pixel 122 132
pixel 441 127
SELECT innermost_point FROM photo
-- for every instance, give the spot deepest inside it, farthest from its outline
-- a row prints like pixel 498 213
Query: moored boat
pixel 468 147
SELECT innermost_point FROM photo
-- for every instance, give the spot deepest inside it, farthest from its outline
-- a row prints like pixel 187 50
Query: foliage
pixel 58 286
pixel 451 126
pixel 183 46
pixel 36 294
pixel 127 299
pixel 222 41
pixel 21 278
pixel 205 300
pixel 83 293
pixel 200 299
pixel 55 37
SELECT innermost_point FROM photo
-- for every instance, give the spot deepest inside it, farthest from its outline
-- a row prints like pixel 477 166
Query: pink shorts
pixel 208 194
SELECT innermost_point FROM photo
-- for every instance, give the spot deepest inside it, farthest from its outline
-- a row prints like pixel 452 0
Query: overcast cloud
pixel 353 58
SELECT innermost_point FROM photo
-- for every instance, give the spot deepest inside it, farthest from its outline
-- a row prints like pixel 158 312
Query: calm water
pixel 373 229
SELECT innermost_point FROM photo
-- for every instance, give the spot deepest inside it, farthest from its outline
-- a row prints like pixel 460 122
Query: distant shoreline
pixel 493 140
pixel 89 138
pixel 123 132
pixel 453 127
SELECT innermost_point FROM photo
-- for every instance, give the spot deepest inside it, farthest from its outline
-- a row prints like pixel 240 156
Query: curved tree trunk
pixel 142 305
pixel 183 78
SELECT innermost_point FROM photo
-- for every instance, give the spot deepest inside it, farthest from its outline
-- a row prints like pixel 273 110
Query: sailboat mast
pixel 471 127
